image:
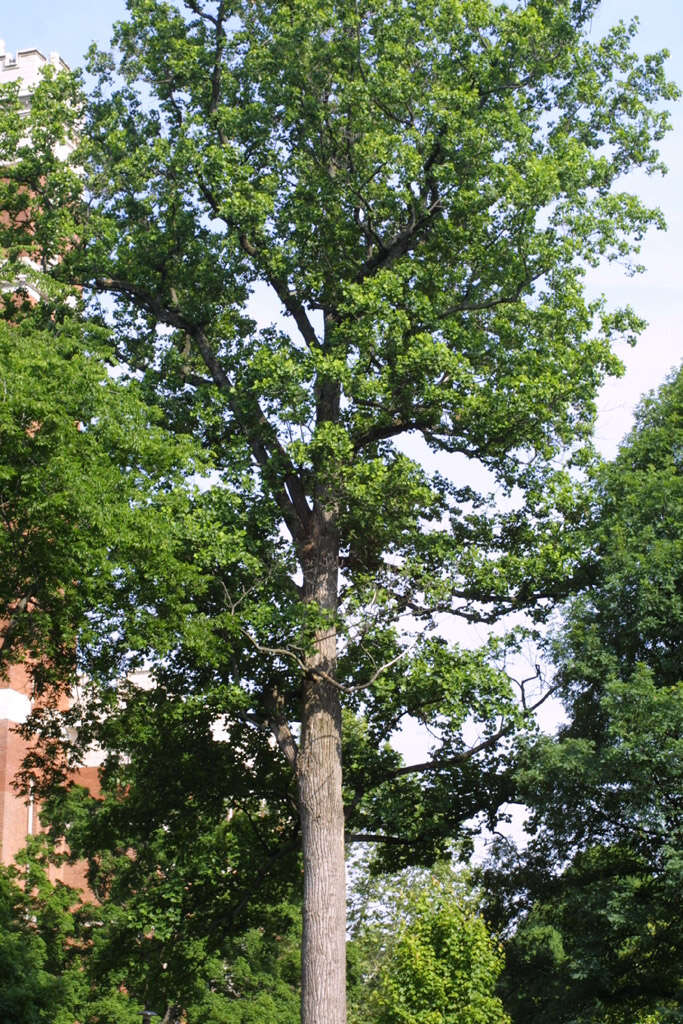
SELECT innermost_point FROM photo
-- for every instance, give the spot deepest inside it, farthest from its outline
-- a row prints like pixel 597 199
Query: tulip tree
pixel 345 244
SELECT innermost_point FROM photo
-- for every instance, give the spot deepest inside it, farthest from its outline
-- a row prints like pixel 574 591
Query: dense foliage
pixel 419 953
pixel 46 936
pixel 63 959
pixel 420 191
pixel 601 939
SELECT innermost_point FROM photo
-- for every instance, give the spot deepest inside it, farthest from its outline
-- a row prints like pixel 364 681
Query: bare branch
pixel 276 652
pixel 276 725
pixel 380 671
pixel 549 692
pixel 292 304
pixel 521 685
pixel 285 652
pixel 461 758
pixel 288 653
pixel 487 304
pixel 362 837
pixel 163 313
pixel 399 245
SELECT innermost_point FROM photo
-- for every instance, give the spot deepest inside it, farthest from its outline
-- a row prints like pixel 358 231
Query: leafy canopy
pixel 601 939
pixel 420 190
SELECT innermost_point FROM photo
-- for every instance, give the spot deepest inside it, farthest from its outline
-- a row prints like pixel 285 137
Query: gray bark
pixel 319 776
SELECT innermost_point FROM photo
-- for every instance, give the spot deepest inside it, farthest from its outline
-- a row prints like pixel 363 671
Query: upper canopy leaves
pixel 421 188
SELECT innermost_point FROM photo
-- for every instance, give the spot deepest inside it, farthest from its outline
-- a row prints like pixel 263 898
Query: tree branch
pixel 216 75
pixel 285 652
pixel 465 755
pixel 292 304
pixel 403 240
pixel 462 758
pixel 492 303
pixel 361 837
pixel 375 675
pixel 382 432
pixel 287 489
pixel 397 247
pixel 279 726
pixel 204 15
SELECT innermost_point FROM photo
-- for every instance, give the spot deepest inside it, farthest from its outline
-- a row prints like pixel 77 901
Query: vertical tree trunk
pixel 319 769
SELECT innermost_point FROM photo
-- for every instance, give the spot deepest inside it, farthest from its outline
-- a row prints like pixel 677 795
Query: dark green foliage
pixel 62 959
pixel 251 976
pixel 177 913
pixel 601 944
pixel 260 982
pixel 45 939
pixel 27 989
pixel 602 940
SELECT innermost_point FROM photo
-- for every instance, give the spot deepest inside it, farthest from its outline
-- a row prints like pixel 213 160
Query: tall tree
pixel 601 940
pixel 420 190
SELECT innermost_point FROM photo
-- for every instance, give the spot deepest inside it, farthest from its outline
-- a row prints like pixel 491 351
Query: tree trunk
pixel 319 771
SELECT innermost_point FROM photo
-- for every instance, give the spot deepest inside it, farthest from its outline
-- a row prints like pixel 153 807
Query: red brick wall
pixel 14 807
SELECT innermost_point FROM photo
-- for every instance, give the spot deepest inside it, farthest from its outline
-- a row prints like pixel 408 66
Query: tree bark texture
pixel 319 770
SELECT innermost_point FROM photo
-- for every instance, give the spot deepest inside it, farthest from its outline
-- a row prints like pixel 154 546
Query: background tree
pixel 45 938
pixel 419 953
pixel 421 191
pixel 73 449
pixel 197 925
pixel 63 958
pixel 601 941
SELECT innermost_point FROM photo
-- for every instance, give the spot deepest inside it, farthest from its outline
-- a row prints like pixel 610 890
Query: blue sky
pixel 69 26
